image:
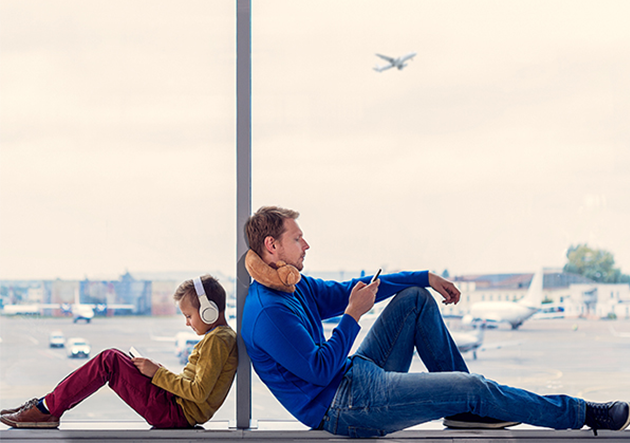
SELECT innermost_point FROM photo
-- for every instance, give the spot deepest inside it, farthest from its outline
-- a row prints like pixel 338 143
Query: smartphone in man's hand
pixel 376 276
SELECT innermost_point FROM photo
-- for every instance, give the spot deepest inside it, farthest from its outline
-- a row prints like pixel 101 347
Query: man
pixel 371 393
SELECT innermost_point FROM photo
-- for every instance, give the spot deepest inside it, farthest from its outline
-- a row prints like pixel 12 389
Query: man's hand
pixel 447 289
pixel 362 299
pixel 146 366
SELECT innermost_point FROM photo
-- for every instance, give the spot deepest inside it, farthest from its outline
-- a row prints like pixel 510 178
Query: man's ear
pixel 270 244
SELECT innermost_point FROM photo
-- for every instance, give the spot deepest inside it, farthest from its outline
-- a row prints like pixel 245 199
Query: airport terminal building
pixel 564 294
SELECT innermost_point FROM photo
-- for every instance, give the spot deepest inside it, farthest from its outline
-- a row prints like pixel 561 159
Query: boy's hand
pixel 146 366
pixel 362 299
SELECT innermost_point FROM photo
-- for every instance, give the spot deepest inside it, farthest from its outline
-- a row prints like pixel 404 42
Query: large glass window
pixel 117 179
pixel 500 144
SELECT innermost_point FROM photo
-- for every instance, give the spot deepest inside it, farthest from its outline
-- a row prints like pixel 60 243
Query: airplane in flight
pixel 399 62
pixel 514 313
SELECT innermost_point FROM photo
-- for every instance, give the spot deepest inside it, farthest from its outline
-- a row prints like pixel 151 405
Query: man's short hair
pixel 214 292
pixel 268 221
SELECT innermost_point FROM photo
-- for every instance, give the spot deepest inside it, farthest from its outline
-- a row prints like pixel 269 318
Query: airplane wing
pixel 382 68
pixel 389 59
pixel 408 57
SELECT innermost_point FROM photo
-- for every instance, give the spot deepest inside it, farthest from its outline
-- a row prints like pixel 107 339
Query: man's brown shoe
pixel 28 404
pixel 30 418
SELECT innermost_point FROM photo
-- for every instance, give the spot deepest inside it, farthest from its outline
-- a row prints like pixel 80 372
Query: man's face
pixel 291 246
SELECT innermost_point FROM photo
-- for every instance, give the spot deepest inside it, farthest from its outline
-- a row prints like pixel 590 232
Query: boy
pixel 164 399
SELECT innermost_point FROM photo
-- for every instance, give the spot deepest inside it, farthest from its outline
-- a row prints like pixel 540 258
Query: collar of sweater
pixel 283 277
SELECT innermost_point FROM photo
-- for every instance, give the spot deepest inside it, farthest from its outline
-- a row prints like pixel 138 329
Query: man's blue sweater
pixel 285 339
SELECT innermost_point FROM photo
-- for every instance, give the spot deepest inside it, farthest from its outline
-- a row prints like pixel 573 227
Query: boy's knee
pixel 111 355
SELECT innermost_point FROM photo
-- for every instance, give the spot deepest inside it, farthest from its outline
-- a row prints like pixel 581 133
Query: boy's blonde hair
pixel 214 292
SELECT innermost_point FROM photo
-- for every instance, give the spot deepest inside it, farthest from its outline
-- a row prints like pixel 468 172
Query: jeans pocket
pixel 358 432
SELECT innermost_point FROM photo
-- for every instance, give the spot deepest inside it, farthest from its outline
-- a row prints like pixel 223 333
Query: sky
pixel 505 141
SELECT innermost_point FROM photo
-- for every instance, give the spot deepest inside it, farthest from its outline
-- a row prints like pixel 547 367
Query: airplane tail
pixel 534 296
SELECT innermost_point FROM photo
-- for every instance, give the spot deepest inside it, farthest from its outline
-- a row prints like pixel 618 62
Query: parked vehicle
pixel 184 342
pixel 78 348
pixel 56 339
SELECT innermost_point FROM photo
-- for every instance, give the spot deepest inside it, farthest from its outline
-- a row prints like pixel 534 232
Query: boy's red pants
pixel 157 406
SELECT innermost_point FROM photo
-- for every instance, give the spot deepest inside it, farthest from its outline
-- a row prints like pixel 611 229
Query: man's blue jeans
pixel 378 395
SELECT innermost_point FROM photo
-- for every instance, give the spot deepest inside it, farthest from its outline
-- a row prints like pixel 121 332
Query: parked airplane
pixel 550 311
pixel 467 341
pixel 82 312
pixel 472 341
pixel 514 313
pixel 79 311
pixel 394 62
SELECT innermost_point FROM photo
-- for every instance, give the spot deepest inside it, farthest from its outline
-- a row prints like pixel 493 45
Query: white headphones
pixel 208 310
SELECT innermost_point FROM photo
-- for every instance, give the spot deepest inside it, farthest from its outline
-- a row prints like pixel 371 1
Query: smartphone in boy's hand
pixel 133 352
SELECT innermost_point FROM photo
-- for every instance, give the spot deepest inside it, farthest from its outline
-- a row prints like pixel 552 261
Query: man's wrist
pixel 353 315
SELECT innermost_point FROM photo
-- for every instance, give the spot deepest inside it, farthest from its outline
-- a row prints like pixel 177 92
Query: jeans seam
pixel 428 346
pixel 398 332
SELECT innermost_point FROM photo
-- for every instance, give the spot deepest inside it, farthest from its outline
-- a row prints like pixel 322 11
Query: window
pixel 499 144
pixel 116 178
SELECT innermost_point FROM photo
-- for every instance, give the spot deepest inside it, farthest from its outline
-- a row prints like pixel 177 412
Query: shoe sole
pixel 627 419
pixel 29 425
pixel 468 425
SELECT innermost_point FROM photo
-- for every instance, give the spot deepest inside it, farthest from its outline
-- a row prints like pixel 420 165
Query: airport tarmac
pixel 583 358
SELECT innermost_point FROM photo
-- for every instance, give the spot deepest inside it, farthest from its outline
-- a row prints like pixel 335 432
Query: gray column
pixel 243 199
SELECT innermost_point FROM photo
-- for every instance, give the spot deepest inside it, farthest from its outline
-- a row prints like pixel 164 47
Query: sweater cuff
pixel 424 279
pixel 349 324
pixel 157 376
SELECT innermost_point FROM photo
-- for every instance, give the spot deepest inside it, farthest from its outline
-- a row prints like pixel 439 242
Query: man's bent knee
pixel 415 296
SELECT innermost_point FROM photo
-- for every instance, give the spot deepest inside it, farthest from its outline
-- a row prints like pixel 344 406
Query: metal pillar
pixel 243 199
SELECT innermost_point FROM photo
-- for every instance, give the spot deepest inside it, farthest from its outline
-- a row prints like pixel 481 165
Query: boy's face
pixel 193 319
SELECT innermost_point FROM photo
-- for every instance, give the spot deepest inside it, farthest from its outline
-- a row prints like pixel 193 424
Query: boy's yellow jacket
pixel 204 383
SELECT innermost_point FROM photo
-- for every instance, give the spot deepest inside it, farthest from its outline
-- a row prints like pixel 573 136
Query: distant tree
pixel 445 274
pixel 596 264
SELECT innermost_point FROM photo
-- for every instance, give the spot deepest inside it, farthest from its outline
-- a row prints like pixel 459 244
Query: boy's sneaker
pixel 28 404
pixel 614 416
pixel 468 420
pixel 30 417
